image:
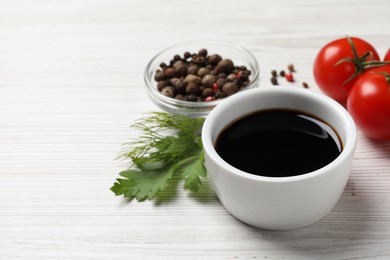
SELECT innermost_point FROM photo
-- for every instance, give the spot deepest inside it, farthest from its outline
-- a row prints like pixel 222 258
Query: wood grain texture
pixel 71 82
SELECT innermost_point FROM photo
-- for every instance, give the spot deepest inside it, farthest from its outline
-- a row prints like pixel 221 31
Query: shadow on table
pixel 383 146
pixel 351 220
pixel 175 187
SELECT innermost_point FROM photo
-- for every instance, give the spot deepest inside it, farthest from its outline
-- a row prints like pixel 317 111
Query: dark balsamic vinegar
pixel 278 143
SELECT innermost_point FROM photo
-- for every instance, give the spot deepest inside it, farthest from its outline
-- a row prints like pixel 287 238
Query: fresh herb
pixel 169 145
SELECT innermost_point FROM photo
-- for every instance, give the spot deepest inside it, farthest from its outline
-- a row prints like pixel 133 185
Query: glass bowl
pixel 239 55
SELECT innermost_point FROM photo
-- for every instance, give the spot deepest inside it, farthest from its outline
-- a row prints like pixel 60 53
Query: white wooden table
pixel 71 83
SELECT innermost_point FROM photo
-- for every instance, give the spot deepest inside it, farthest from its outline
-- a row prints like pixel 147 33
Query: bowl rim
pixel 189 104
pixel 348 149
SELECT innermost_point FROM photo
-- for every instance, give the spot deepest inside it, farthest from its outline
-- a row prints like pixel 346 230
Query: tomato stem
pixel 360 63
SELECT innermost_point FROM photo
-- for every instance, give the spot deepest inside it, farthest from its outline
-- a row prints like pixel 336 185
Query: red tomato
pixel 369 103
pixel 387 55
pixel 331 77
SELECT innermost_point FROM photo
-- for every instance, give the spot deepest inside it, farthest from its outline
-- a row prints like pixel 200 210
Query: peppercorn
pixel 289 76
pixel 207 92
pixel 218 94
pixel 282 73
pixel 221 81
pixel 163 65
pixel 209 98
pixel 274 81
pixel 161 84
pixel 159 76
pixel 208 80
pixel 225 65
pixel 191 97
pixel 176 83
pixel 168 91
pixel 305 85
pixel 187 54
pixel 290 67
pixel 176 57
pixel 181 69
pixel 193 69
pixel 202 52
pixel 229 88
pixel 179 97
pixel 274 73
pixel 192 88
pixel 192 78
pixel 200 60
pixel 169 72
pixel 231 77
pixel 222 75
pixel 202 71
pixel 214 59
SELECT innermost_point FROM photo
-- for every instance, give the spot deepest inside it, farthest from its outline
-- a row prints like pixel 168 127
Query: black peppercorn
pixel 193 69
pixel 202 71
pixel 231 77
pixel 208 80
pixel 274 81
pixel 218 94
pixel 274 73
pixel 192 78
pixel 207 92
pixel 229 88
pixel 159 76
pixel 214 59
pixel 191 97
pixel 192 88
pixel 282 73
pixel 161 84
pixel 225 65
pixel 221 81
pixel 305 85
pixel 176 57
pixel 163 65
pixel 187 54
pixel 179 97
pixel 178 84
pixel 181 69
pixel 202 52
pixel 222 75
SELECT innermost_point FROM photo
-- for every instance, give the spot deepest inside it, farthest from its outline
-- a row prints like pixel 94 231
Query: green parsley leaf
pixel 141 184
pixel 192 173
pixel 168 145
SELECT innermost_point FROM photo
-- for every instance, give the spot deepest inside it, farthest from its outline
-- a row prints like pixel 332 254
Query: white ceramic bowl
pixel 279 203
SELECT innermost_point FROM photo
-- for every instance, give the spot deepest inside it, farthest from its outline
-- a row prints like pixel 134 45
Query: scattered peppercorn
pixel 200 77
pixel 274 81
pixel 282 73
pixel 305 85
pixel 289 76
pixel 291 68
pixel 274 73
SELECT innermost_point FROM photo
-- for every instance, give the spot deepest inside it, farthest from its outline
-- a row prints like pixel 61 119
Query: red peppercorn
pixel 238 75
pixel 289 77
pixel 209 98
pixel 215 87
